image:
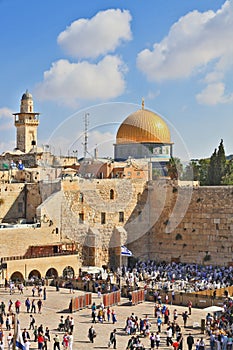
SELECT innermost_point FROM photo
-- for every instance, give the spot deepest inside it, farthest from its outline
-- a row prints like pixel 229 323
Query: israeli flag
pixel 125 251
pixel 19 343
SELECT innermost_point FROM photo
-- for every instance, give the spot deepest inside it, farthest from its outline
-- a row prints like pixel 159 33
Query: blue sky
pixel 102 57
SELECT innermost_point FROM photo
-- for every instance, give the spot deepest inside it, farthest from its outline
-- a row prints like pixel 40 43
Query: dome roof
pixel 143 126
pixel 26 96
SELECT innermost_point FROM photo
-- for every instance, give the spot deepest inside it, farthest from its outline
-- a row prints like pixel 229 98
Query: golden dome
pixel 143 126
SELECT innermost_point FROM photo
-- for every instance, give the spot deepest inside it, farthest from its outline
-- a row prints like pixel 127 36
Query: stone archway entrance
pixel 51 273
pixel 17 277
pixel 68 272
pixel 35 274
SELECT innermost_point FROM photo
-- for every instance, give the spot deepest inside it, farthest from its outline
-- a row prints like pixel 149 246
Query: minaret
pixel 26 122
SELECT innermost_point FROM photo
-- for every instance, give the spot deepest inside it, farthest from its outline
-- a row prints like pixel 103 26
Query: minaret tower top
pixel 26 123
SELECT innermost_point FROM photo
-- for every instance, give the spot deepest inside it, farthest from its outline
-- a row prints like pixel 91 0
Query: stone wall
pixel 16 241
pixel 91 214
pixel 18 200
pixel 194 225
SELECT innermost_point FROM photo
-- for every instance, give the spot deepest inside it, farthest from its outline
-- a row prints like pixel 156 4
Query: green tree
pixel 228 177
pixel 217 166
pixel 203 166
pixel 192 171
pixel 213 170
pixel 221 161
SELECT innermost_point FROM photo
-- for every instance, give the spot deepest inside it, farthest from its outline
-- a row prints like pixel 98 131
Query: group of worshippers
pixel 192 277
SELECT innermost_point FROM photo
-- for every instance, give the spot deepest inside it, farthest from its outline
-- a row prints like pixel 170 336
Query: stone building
pixel 71 214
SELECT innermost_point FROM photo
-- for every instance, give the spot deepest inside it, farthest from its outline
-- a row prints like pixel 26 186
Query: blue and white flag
pixel 125 251
pixel 19 343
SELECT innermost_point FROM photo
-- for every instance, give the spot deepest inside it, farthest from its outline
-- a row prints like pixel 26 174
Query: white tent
pixel 212 309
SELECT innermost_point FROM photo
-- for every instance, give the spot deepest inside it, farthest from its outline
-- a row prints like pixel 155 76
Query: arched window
pixel 68 272
pixel 139 196
pixel 111 194
pixel 81 197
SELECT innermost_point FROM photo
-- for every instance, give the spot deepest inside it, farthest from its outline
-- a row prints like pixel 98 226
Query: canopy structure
pixel 212 309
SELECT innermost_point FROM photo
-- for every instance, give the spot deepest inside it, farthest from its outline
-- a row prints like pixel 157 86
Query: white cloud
pixel 6 113
pixel 103 33
pixel 69 83
pixel 214 94
pixel 6 119
pixel 197 43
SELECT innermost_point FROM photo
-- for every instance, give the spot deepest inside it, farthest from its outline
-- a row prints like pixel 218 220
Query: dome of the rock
pixel 143 126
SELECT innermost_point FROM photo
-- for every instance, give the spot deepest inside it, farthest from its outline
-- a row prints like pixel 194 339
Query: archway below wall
pixel 68 272
pixel 17 277
pixel 51 273
pixel 35 274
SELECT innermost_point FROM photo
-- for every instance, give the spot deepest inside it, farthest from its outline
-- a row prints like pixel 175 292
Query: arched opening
pixel 17 277
pixel 68 272
pixel 111 195
pixel 35 274
pixel 51 273
pixel 139 196
pixel 81 197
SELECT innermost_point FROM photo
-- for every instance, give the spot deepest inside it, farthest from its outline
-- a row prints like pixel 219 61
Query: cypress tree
pixel 221 162
pixel 213 170
pixel 217 166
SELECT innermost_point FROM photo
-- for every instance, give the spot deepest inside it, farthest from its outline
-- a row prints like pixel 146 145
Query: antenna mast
pixel 86 123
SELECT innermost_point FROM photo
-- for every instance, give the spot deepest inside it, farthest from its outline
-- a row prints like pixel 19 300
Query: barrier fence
pixel 111 299
pixel 138 296
pixel 80 302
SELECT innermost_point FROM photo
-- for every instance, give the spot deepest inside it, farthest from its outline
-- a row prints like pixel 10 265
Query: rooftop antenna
pixel 86 123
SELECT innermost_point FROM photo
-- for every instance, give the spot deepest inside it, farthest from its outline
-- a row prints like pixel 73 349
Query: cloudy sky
pixel 99 58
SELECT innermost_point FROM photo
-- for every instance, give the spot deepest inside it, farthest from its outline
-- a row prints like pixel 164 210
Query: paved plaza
pixel 57 303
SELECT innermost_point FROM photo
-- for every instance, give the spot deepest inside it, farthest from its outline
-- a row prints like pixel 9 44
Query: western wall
pixel 157 220
pixel 195 225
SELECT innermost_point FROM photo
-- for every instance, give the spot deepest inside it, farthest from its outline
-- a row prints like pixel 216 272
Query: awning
pixel 213 309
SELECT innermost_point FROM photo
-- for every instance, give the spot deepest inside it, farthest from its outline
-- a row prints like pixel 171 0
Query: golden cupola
pixel 143 126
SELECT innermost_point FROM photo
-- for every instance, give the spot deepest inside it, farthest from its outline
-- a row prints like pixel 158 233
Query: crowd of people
pixel 164 326
pixel 180 276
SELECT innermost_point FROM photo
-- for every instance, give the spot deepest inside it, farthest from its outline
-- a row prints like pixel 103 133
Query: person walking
pixel 108 313
pixel 56 344
pixel 27 304
pixel 25 335
pixel 185 317
pixel 114 319
pixel 40 341
pixel 159 324
pixel 112 339
pixel 180 341
pixel 17 306
pixel 152 341
pixel 202 344
pixel 169 335
pixel 10 341
pixel 39 304
pixel 190 304
pixel 27 344
pixel 33 306
pixel 91 334
pixel 157 340
pixel 190 341
pixel 44 293
pixel 71 340
pixel 32 322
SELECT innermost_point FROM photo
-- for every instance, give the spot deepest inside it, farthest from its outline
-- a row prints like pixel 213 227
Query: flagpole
pixel 15 332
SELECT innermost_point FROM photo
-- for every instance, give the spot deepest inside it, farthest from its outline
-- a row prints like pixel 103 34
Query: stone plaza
pixel 57 303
